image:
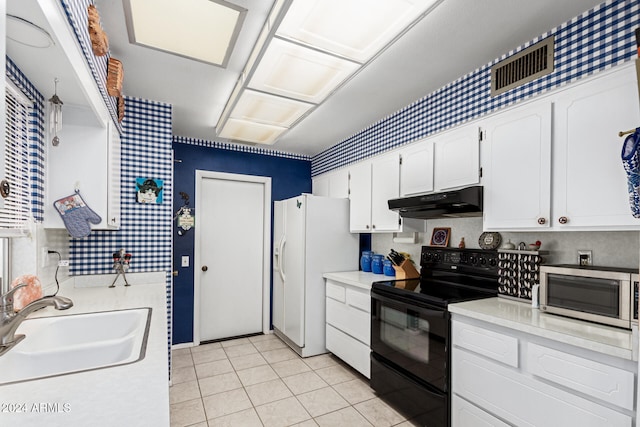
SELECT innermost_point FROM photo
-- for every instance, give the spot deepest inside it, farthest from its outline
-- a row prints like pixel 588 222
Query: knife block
pixel 406 270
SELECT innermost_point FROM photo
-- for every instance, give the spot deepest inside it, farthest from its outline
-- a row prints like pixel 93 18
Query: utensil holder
pixel 406 270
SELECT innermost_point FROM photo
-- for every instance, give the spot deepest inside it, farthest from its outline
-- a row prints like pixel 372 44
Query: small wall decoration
pixel 440 236
pixel 149 191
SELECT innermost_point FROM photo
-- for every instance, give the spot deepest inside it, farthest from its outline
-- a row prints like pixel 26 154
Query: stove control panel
pixel 478 261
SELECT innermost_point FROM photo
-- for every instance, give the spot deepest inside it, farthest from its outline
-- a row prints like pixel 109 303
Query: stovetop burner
pixel 448 275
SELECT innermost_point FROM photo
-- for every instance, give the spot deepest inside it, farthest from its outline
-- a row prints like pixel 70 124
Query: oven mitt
pixel 76 215
pixel 631 163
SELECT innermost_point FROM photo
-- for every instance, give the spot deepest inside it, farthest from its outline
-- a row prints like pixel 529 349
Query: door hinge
pixel 480 135
pixel 399 221
pixel 480 172
pixel 400 159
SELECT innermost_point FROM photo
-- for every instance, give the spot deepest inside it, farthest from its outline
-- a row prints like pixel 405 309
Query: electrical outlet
pixel 63 263
pixel 185 260
pixel 585 257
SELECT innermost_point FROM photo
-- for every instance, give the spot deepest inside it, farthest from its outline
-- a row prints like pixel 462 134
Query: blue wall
pixel 290 176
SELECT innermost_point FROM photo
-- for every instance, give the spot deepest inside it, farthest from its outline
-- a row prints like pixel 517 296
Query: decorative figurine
pixel 121 265
pixel 461 245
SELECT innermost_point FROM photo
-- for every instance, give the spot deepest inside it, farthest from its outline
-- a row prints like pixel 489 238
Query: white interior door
pixel 230 255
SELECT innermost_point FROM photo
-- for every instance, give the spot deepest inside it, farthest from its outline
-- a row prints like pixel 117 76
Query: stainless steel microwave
pixel 597 294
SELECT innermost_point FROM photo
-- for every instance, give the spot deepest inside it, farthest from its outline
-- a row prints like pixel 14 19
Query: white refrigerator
pixel 311 237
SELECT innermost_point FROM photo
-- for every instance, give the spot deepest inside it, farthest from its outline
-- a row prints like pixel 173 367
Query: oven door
pixel 412 336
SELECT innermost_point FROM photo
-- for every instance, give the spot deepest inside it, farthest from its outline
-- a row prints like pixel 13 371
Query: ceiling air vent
pixel 527 65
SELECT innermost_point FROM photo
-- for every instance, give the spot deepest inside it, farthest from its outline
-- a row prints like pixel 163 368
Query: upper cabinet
pixel 416 169
pixel 556 163
pixel 371 184
pixel 457 158
pixel 517 168
pixel 590 184
pixel 332 184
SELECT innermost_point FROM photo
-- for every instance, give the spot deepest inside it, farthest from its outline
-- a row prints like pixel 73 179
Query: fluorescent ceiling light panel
pixel 204 30
pixel 355 29
pixel 297 72
pixel 242 130
pixel 269 109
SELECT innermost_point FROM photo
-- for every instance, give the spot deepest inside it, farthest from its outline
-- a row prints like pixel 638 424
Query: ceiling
pixel 457 37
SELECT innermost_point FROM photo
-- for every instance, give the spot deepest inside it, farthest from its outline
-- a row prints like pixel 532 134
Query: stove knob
pixel 436 257
pixel 483 261
pixel 428 257
pixel 473 259
pixel 493 262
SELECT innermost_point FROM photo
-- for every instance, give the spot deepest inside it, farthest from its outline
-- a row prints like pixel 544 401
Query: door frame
pixel 266 262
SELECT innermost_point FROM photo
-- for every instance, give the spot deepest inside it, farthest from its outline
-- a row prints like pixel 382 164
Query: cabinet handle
pixel 563 220
pixel 373 226
pixel 5 188
pixel 367 226
pixel 542 221
pixel 205 268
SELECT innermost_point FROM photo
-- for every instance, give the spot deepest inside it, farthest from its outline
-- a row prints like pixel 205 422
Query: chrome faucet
pixel 9 321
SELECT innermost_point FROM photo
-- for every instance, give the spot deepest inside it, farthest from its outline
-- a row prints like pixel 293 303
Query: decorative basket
pixel 120 109
pixel 115 76
pixel 99 39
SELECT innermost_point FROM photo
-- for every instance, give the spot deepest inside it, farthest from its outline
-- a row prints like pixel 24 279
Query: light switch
pixel 185 260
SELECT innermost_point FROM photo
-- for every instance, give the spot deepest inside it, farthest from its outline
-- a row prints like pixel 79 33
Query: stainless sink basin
pixel 62 345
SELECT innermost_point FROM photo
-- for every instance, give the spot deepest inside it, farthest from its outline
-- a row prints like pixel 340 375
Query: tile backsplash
pixel 609 248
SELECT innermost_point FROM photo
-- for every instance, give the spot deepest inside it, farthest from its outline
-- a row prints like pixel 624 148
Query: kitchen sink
pixel 61 345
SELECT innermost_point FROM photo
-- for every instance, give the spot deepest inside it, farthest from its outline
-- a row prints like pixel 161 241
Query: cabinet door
pixel 113 192
pixel 339 184
pixel 320 185
pixel 416 169
pixel 385 185
pixel 590 187
pixel 517 169
pixel 457 159
pixel 360 197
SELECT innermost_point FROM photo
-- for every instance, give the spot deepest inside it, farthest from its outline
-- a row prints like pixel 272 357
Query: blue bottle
pixel 365 261
pixel 376 264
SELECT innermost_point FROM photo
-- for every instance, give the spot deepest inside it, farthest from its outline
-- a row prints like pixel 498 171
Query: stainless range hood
pixel 465 202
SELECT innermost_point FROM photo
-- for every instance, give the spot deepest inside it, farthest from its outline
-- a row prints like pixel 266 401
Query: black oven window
pixel 589 295
pixel 405 332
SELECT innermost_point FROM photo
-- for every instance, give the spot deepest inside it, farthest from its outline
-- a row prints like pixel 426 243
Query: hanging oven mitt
pixel 631 163
pixel 76 215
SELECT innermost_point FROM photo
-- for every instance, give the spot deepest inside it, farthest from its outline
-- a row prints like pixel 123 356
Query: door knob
pixel 205 268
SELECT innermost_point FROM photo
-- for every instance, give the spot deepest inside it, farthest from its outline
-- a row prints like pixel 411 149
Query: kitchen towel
pixel 76 215
pixel 29 293
pixel 631 163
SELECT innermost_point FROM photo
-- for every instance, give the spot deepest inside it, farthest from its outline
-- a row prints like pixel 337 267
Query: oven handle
pixel 399 300
pixel 425 386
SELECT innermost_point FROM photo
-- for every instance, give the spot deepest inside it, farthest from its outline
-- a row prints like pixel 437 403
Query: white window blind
pixel 15 213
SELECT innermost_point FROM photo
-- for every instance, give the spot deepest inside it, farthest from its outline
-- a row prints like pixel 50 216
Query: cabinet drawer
pixel 354 322
pixel 465 414
pixel 359 299
pixel 494 345
pixel 335 291
pixel 523 400
pixel 350 350
pixel 604 382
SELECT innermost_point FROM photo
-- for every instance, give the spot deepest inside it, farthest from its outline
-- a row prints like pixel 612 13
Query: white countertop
pixel 359 279
pixel 127 395
pixel 522 317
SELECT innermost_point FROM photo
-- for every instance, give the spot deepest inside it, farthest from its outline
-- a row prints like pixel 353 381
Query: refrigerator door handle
pixel 283 240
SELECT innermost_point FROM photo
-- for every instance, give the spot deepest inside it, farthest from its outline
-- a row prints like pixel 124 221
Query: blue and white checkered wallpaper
pixel 77 15
pixel 145 229
pixel 239 147
pixel 594 41
pixel 36 137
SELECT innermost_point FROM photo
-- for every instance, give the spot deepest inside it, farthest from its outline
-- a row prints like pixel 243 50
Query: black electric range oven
pixel 411 329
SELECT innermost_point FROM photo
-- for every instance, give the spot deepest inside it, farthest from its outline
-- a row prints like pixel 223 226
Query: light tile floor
pixel 260 381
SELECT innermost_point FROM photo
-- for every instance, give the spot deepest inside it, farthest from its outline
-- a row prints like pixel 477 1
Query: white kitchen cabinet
pixel 590 184
pixel 332 184
pixel 348 317
pixel 371 184
pixel 87 159
pixel 554 164
pixel 465 414
pixel 517 168
pixel 320 185
pixel 574 386
pixel 457 158
pixel 416 169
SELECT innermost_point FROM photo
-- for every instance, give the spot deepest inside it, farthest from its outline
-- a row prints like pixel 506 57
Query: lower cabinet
pixel 348 320
pixel 510 378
